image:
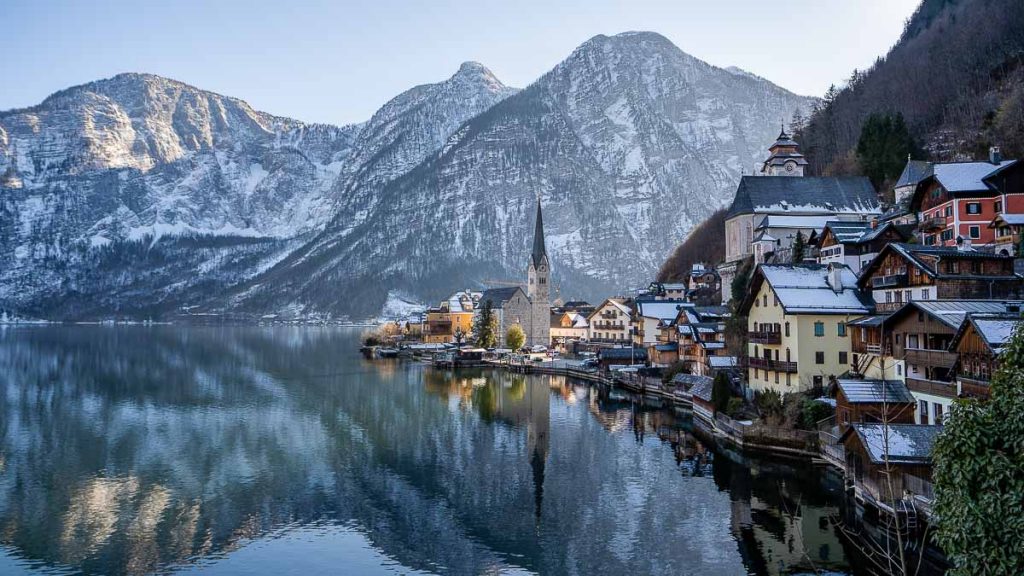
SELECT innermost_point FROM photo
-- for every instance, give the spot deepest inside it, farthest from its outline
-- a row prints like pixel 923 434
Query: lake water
pixel 133 450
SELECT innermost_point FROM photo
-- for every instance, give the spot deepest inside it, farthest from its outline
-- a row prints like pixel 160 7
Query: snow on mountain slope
pixel 629 143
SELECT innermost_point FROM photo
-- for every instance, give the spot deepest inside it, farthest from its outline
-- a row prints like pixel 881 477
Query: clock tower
pixel 785 158
pixel 538 288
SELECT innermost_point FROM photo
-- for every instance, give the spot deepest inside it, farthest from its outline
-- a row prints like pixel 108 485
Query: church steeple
pixel 539 252
pixel 784 157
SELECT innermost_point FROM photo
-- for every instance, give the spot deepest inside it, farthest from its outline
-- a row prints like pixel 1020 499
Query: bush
pixel 769 404
pixel 720 393
pixel 734 408
pixel 812 412
pixel 670 372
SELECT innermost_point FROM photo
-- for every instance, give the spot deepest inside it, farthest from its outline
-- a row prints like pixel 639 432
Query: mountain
pixel 139 194
pixel 956 75
pixel 629 143
pixel 143 196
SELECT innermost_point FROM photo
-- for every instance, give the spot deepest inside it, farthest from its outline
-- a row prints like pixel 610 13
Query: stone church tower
pixel 538 331
pixel 785 158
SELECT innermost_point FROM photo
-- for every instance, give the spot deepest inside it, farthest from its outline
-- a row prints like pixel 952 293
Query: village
pixel 838 327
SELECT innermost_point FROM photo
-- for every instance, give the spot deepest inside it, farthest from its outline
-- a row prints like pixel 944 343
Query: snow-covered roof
pixel 661 309
pixel 994 329
pixel 914 172
pixel 966 176
pixel 952 312
pixel 712 345
pixel 786 221
pixel 804 288
pixel 804 195
pixel 875 391
pixel 904 443
pixel 689 380
pixel 721 361
pixel 1007 220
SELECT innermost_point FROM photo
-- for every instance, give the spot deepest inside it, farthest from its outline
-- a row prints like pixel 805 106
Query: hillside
pixel 956 75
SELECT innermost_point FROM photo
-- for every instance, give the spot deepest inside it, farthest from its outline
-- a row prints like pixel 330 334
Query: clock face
pixel 790 167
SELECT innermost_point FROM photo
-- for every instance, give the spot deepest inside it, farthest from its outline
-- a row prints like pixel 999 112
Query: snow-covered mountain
pixel 142 195
pixel 629 143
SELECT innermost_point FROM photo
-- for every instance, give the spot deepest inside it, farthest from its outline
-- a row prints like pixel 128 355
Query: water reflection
pixel 133 450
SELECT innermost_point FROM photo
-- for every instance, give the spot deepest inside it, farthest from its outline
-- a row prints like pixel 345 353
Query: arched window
pixel 787 328
pixel 787 355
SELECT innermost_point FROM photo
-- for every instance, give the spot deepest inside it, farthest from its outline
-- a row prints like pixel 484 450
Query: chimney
pixel 835 278
pixel 995 156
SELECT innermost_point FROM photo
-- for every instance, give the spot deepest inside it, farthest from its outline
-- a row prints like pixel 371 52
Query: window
pixel 947 234
pixel 925 294
pixel 888 297
pixel 842 358
pixel 776 300
pixel 912 341
pixel 929 240
pixel 899 369
pixel 788 382
pixel 922 411
pixel 765 298
pixel 819 357
pixel 998 206
pixel 906 295
pixel 788 359
pixel 974 232
pixel 819 328
pixel 974 207
pixel 817 381
pixel 776 377
pixel 841 329
pixel 938 412
pixel 542 280
pixel 787 328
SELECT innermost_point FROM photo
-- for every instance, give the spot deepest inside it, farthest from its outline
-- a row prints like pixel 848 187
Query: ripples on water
pixel 134 450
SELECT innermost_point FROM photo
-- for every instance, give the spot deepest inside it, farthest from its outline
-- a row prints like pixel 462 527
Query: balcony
pixel 932 224
pixel 889 281
pixel 934 387
pixel 871 348
pixel 888 306
pixel 762 337
pixel 607 326
pixel 974 386
pixel 776 365
pixel 924 357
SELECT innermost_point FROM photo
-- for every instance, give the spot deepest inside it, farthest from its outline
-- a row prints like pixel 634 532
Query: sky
pixel 339 61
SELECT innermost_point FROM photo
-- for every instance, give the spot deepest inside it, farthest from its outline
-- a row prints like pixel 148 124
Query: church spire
pixel 539 252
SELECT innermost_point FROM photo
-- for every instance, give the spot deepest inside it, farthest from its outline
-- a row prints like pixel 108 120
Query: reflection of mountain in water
pixel 123 450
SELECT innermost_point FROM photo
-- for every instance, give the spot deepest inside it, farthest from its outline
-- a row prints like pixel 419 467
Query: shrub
pixel 735 407
pixel 515 338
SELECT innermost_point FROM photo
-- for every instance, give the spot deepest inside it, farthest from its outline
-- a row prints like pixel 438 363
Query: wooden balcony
pixel 974 386
pixel 934 387
pixel 762 337
pixel 923 357
pixel 776 365
pixel 871 348
pixel 889 281
pixel 932 224
pixel 888 306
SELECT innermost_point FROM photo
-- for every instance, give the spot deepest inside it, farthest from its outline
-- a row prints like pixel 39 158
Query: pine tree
pixel 486 327
pixel 883 148
pixel 798 248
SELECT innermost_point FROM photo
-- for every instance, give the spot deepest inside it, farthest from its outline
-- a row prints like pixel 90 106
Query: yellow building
pixel 453 318
pixel 796 321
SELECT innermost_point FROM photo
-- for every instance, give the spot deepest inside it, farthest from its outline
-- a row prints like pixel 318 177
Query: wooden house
pixel 866 401
pixel 977 345
pixel 857 243
pixel 885 461
pixel 903 273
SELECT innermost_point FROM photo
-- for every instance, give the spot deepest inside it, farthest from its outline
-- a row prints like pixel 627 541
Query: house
pixel 885 461
pixel 579 306
pixel 568 327
pixel 701 395
pixel 864 401
pixel 871 351
pixel 452 321
pixel 797 324
pixel 510 305
pixel 610 323
pixel 905 272
pixel 958 200
pixel 700 337
pixel 857 243
pixel 667 290
pixel 703 285
pixel 779 206
pixel 920 335
pixel 978 344
pixel 649 314
pixel 1008 234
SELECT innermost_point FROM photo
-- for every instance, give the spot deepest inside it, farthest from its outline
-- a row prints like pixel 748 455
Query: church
pixel 529 308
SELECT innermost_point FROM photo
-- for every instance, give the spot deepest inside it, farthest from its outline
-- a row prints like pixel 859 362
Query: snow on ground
pixel 399 305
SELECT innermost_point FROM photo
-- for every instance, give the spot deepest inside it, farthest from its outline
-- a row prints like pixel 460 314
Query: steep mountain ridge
pixel 628 142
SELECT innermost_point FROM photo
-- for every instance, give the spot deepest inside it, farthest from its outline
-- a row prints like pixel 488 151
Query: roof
pixel 952 312
pixel 875 391
pixel 966 176
pixel 804 288
pixel 499 296
pixel 660 309
pixel 539 252
pixel 666 347
pixel 689 380
pixel 710 312
pixel 914 172
pixel 1007 220
pixel 702 389
pixel 995 330
pixel 868 321
pixel 803 194
pixel 622 353
pixel 463 301
pixel 577 304
pixel 907 443
pixel 787 221
pixel 614 304
pixel 721 361
pixel 847 232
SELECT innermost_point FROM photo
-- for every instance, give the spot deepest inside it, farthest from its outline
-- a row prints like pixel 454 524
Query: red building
pixel 958 200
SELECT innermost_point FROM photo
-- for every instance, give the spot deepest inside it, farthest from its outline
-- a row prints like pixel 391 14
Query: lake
pixel 280 450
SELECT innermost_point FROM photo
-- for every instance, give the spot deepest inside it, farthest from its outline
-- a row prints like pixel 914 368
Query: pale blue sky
pixel 339 61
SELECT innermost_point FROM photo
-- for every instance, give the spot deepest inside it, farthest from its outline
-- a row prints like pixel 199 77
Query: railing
pixel 767 435
pixel 763 337
pixel 868 348
pixel 944 389
pixel 889 281
pixel 937 223
pixel 607 326
pixel 973 386
pixel 926 357
pixel 777 365
pixel 888 306
pixel 831 448
pixel 919 486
